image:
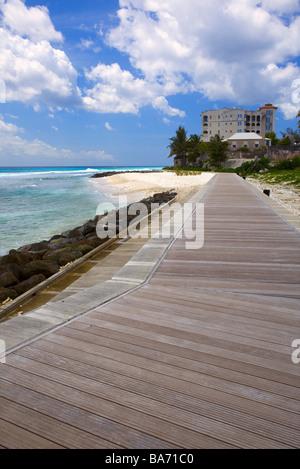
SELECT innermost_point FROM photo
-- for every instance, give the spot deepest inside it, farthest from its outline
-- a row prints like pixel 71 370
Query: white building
pixel 226 122
pixel 250 140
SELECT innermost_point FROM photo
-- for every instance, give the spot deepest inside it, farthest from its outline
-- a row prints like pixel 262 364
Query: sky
pixel 108 82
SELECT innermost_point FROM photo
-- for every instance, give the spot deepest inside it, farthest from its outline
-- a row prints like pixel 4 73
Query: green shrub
pixel 288 164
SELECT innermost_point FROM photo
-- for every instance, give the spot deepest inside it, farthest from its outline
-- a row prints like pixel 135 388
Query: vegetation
pixel 178 145
pixel 217 151
pixel 283 171
pixel 188 149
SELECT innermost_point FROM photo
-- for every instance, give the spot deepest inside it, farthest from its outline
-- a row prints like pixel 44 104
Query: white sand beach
pixel 150 183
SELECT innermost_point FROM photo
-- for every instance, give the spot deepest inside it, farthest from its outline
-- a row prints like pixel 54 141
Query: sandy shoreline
pixel 140 185
pixel 148 184
pixel 284 195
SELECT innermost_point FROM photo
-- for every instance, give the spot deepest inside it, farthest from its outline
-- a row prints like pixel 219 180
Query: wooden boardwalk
pixel 198 357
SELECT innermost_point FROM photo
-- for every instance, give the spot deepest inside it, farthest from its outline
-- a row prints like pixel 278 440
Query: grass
pixel 289 177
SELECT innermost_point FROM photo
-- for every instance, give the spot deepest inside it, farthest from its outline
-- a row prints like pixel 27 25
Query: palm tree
pixel 217 149
pixel 196 147
pixel 179 145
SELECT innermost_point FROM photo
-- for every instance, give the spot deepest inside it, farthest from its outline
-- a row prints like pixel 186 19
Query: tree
pixel 272 136
pixel 290 136
pixel 298 115
pixel 217 151
pixel 196 147
pixel 179 145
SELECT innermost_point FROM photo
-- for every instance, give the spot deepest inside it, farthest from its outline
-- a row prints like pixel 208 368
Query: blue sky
pixel 108 82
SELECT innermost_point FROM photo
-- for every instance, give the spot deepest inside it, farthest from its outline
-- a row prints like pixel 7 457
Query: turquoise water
pixel 36 203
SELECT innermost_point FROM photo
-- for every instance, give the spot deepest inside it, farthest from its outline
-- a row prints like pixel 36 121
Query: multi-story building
pixel 226 122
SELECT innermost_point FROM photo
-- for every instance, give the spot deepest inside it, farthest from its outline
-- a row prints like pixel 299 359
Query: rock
pixel 6 293
pixel 75 233
pixel 12 268
pixel 44 267
pixel 8 279
pixel 35 247
pixel 63 256
pixel 94 242
pixel 84 249
pixel 68 255
pixel 57 241
pixel 20 258
pixel 88 228
pixel 56 237
pixel 29 283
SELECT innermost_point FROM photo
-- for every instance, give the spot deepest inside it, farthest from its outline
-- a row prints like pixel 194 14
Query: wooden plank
pixel 168 412
pixel 49 428
pixel 14 437
pixel 200 357
pixel 103 430
pixel 43 350
pixel 161 394
pixel 156 426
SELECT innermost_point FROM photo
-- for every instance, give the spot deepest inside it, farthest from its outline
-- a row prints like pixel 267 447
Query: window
pixel 240 123
pixel 268 127
pixel 256 145
pixel 268 113
pixel 234 145
pixel 268 119
pixel 245 144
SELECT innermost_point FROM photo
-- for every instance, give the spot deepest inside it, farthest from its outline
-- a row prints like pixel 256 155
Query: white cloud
pixel 118 91
pixel 218 48
pixel 108 126
pixel 88 44
pixel 32 22
pixel 34 72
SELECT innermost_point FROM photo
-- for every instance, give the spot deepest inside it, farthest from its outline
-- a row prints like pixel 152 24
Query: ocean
pixel 37 203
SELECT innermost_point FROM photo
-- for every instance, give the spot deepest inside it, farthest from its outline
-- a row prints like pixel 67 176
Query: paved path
pixel 196 355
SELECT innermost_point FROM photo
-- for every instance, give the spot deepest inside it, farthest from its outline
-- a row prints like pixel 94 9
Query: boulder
pixel 75 233
pixel 29 283
pixel 44 267
pixel 68 255
pixel 93 242
pixel 87 228
pixel 21 258
pixel 84 249
pixel 6 293
pixel 35 247
pixel 63 256
pixel 7 279
pixel 12 268
pixel 58 241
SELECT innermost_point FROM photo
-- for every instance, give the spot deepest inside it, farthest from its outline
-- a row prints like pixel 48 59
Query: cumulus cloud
pixel 32 69
pixel 242 51
pixel 220 48
pixel 32 22
pixel 118 91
